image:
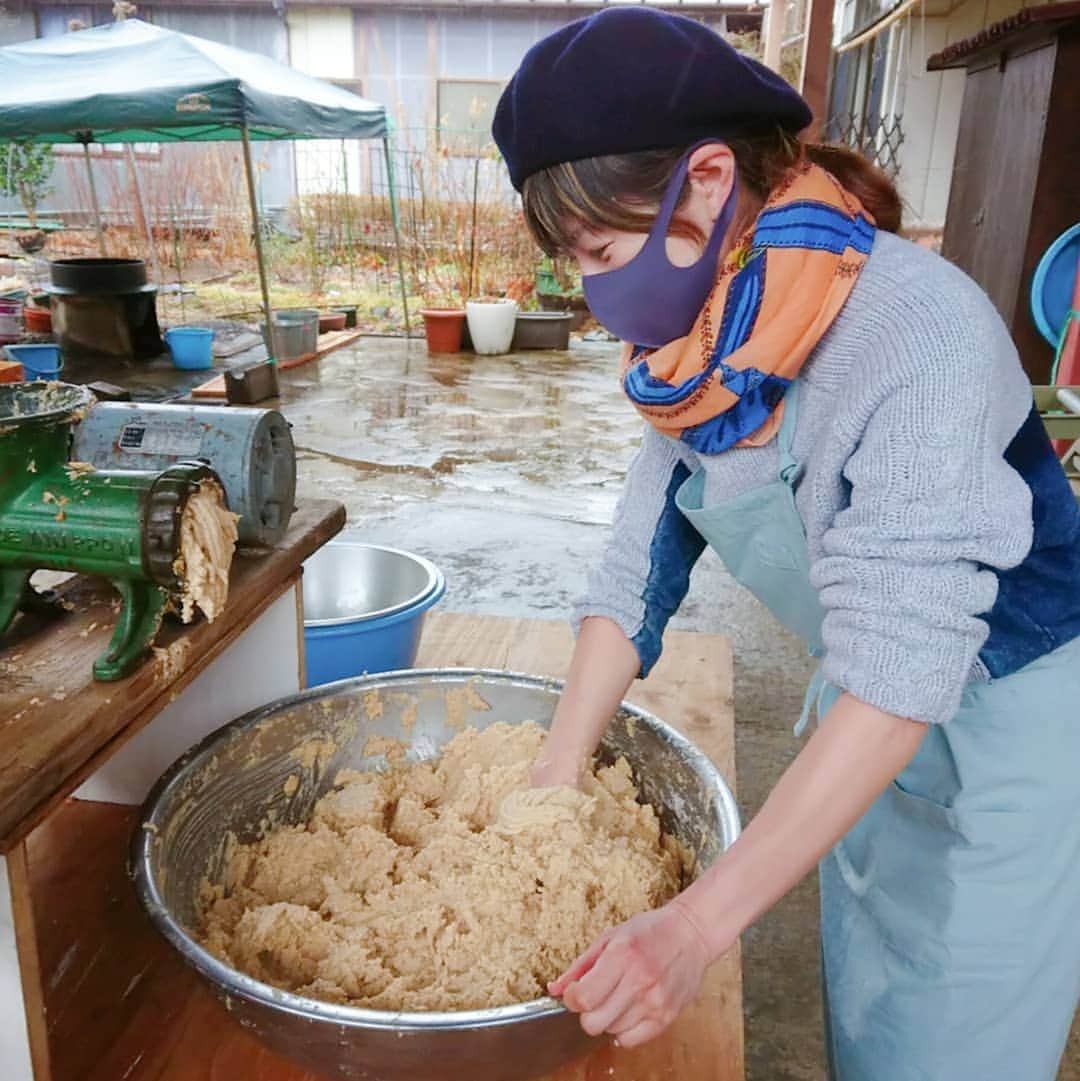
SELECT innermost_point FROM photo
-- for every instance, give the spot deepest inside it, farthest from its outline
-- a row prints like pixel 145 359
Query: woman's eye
pixel 600 253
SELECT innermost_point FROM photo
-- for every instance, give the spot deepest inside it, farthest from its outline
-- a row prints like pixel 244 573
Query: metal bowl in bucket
pixel 225 790
pixel 364 608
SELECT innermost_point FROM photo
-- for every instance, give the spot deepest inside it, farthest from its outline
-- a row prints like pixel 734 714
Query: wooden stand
pixel 108 999
pixel 67 926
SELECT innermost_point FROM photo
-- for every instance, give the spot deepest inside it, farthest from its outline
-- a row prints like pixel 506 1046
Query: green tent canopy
pixel 130 82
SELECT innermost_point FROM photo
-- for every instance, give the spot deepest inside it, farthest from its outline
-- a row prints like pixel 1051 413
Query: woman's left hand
pixel 633 981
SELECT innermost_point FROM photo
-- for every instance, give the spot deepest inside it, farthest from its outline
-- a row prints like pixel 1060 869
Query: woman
pixel 841 415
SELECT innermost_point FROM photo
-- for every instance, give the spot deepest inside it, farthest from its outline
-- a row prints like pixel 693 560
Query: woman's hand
pixel 636 978
pixel 551 772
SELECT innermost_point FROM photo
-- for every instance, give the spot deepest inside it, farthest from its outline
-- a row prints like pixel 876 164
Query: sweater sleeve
pixel 644 572
pixel 908 568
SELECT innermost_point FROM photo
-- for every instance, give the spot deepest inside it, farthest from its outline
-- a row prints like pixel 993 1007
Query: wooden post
pixel 397 230
pixel 249 171
pixel 773 33
pixel 817 62
pixel 94 199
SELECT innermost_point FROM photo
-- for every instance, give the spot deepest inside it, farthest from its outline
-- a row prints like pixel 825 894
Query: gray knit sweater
pixel 907 407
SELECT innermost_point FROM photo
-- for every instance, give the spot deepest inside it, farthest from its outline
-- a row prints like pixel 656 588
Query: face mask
pixel 650 301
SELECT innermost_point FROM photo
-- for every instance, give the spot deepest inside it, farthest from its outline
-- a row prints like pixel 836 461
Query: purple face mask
pixel 650 301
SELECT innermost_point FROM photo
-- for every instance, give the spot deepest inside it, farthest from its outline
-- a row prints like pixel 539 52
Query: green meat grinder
pixel 60 515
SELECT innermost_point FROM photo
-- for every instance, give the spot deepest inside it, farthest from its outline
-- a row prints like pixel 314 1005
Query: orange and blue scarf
pixel 777 294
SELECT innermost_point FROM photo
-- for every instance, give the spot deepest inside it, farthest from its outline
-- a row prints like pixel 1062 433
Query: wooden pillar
pixel 773 32
pixel 817 62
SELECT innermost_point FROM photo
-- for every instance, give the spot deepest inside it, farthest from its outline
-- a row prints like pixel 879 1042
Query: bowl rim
pixel 435 582
pixel 229 981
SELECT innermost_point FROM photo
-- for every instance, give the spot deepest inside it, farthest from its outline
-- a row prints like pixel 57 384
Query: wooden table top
pixel 58 723
pixel 173 1029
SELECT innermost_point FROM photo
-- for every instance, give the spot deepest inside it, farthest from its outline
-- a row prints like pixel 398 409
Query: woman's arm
pixel 634 980
pixel 639 581
pixel 604 665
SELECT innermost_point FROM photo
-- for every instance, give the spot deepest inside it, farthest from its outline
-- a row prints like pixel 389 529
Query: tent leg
pixel 397 232
pixel 94 201
pixel 140 202
pixel 249 171
pixel 348 214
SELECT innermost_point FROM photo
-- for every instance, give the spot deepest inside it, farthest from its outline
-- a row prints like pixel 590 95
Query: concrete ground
pixel 506 471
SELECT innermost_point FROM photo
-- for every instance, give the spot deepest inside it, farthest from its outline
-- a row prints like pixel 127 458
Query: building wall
pixel 931 106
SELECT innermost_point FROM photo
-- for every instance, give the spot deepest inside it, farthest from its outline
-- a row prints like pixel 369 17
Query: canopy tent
pixel 131 82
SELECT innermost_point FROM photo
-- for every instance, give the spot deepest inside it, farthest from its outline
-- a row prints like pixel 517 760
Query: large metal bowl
pixel 233 784
pixel 345 582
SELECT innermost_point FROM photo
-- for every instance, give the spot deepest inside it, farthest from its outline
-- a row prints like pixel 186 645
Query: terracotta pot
pixel 38 320
pixel 331 321
pixel 444 328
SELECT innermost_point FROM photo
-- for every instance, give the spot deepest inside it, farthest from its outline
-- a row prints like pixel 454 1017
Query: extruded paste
pixel 207 538
pixel 445 885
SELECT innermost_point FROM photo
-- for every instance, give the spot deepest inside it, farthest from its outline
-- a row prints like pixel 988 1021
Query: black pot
pixel 98 277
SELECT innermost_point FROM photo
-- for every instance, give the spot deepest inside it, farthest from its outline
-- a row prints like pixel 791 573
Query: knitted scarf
pixel 776 295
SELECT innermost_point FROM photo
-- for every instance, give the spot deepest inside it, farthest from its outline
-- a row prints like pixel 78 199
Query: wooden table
pixel 63 733
pixel 116 1001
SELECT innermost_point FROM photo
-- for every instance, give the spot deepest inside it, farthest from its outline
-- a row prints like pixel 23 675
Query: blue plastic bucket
pixel 364 608
pixel 192 348
pixel 38 361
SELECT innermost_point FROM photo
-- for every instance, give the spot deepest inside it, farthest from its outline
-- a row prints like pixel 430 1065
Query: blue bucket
pixel 192 348
pixel 38 361
pixel 364 608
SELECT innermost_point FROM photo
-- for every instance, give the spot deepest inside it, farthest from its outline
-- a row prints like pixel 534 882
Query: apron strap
pixel 815 689
pixel 790 469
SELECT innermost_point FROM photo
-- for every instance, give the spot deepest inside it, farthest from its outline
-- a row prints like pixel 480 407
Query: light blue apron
pixel 950 922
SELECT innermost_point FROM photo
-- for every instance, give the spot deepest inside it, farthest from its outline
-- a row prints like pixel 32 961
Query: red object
pixel 1068 368
pixel 331 321
pixel 445 328
pixel 11 371
pixel 38 320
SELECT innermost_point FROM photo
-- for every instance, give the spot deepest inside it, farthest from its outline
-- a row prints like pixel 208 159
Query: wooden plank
pixel 692 689
pixel 121 1004
pixel 328 342
pixel 58 718
pixel 30 962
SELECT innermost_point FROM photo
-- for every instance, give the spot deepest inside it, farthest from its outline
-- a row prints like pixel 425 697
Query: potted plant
pixel 444 324
pixel 558 289
pixel 491 323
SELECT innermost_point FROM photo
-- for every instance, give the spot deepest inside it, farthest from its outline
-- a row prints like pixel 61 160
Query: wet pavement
pixel 506 471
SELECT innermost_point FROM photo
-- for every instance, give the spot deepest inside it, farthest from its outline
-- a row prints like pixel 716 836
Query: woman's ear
pixel 711 173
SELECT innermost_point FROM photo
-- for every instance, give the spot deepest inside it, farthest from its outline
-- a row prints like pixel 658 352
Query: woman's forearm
pixel 604 665
pixel 848 762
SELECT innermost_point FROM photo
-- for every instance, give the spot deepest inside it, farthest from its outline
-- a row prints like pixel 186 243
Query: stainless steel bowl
pixel 233 783
pixel 345 582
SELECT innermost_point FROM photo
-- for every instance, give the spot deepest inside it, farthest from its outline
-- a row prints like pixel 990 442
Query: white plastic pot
pixel 491 324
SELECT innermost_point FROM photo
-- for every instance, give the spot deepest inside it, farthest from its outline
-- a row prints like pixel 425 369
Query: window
pixel 466 110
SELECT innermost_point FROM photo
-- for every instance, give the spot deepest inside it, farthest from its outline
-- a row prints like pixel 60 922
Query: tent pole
pixel 249 171
pixel 348 213
pixel 397 231
pixel 140 202
pixel 94 200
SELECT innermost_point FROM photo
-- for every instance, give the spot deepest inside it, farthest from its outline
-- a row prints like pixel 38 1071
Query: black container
pixel 98 277
pixel 542 330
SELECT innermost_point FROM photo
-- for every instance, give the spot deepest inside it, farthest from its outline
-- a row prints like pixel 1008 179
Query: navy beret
pixel 634 78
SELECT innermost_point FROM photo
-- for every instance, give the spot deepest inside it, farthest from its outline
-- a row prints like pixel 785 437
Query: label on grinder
pixel 174 438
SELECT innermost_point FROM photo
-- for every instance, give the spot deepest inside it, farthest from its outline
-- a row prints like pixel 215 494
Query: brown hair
pixel 622 191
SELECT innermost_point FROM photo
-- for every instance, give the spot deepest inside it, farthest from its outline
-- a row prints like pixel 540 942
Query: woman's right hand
pixel 602 668
pixel 550 773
